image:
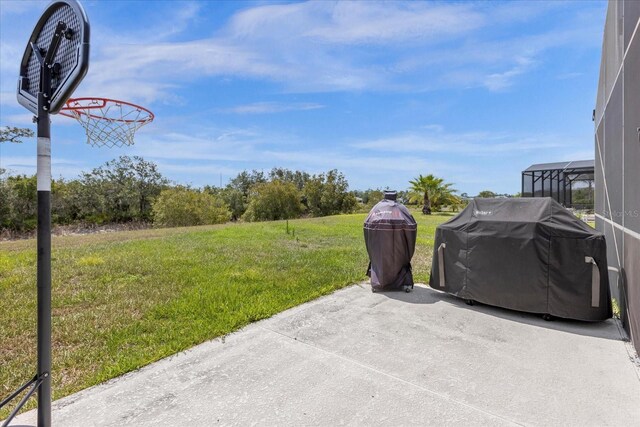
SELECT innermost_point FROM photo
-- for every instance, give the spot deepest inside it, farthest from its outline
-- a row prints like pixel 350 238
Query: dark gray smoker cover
pixel 527 254
pixel 390 236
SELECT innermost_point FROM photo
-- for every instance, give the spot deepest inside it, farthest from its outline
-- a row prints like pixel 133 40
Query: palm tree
pixel 433 191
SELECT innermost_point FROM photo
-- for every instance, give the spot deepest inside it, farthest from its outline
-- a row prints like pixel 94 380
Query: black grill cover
pixel 390 236
pixel 527 254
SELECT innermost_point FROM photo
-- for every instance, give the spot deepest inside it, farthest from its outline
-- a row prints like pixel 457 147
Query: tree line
pixel 132 189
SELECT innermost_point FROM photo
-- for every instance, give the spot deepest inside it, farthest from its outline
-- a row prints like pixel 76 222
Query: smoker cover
pixel 390 236
pixel 527 254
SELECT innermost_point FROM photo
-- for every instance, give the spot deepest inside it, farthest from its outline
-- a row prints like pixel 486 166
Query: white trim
pixel 619 227
pixel 441 277
pixel 633 36
pixel 617 270
pixel 44 164
pixel 606 191
pixel 622 160
pixel 595 281
pixel 565 168
pixel 624 56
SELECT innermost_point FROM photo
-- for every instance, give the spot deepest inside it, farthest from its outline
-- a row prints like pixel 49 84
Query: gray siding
pixel 617 173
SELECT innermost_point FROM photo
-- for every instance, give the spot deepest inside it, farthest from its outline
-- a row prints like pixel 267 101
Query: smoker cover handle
pixel 595 281
pixel 441 263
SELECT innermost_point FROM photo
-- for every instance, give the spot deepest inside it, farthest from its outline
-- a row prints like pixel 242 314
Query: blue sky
pixel 470 91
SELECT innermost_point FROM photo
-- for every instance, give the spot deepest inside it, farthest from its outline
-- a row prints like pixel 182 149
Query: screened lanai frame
pixel 559 181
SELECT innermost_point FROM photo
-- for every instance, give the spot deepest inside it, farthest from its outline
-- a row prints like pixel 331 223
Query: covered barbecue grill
pixel 390 236
pixel 527 254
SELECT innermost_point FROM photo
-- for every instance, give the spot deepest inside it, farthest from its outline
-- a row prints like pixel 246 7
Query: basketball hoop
pixel 107 122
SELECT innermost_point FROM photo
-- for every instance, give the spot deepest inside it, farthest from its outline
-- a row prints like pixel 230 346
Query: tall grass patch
pixel 123 300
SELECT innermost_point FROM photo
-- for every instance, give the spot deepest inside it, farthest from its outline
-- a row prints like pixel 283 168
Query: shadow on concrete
pixel 419 295
pixel 608 329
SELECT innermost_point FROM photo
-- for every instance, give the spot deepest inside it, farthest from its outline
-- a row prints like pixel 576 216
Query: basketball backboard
pixel 69 63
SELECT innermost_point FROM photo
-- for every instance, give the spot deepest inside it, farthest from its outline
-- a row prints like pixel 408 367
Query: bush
pixel 181 206
pixel 123 189
pixel 19 205
pixel 126 189
pixel 273 200
pixel 236 201
pixel 328 195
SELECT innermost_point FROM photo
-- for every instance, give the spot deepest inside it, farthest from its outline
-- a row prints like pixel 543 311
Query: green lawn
pixel 123 300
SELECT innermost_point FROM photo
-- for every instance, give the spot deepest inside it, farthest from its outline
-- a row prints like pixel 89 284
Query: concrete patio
pixel 362 358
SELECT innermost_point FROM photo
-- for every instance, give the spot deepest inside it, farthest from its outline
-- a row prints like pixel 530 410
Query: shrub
pixel 18 209
pixel 326 194
pixel 236 201
pixel 273 200
pixel 181 206
pixel 122 188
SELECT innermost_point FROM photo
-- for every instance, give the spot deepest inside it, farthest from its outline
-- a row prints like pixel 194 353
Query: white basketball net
pixel 108 123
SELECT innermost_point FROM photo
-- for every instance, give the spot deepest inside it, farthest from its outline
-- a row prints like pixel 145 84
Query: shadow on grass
pixel 608 329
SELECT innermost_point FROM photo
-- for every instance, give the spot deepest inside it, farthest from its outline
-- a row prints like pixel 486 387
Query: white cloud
pixel 234 145
pixel 143 71
pixel 321 46
pixel 200 157
pixel 180 21
pixel 67 168
pixel 161 24
pixel 326 46
pixel 393 159
pixel 357 22
pixel 436 140
pixel 272 107
pixel 499 81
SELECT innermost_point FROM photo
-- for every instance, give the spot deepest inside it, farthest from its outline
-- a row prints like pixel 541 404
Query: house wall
pixel 617 143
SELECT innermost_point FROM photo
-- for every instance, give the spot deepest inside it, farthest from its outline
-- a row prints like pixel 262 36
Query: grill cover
pixel 390 236
pixel 527 254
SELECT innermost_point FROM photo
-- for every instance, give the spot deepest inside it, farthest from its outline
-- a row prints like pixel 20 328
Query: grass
pixel 123 300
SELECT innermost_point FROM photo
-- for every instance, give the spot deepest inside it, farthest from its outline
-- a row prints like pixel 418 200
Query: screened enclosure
pixel 569 183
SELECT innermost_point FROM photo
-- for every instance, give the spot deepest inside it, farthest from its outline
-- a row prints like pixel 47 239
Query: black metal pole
pixel 44 249
pixel 44 224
